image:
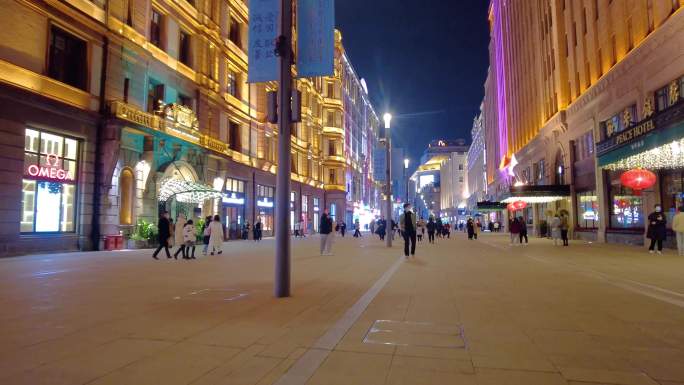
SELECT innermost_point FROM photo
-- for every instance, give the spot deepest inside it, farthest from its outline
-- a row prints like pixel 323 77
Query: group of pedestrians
pixel 184 235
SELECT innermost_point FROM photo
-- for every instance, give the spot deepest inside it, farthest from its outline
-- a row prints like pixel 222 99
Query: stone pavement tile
pixel 607 376
pixel 432 352
pixel 434 364
pixel 91 364
pixel 670 383
pixel 244 368
pixel 565 342
pixel 22 359
pixel 599 360
pixel 235 334
pixel 410 376
pixel 662 364
pixel 353 341
pixel 177 365
pixel 513 362
pixel 517 377
pixel 345 368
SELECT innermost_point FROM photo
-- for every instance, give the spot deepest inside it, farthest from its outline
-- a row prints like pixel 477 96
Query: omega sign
pixel 51 171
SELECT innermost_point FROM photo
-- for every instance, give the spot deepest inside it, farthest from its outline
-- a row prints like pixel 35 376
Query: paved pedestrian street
pixel 462 312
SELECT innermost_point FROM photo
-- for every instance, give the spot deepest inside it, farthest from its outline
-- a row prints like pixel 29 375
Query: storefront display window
pixel 264 204
pixel 49 185
pixel 672 187
pixel 316 217
pixel 587 210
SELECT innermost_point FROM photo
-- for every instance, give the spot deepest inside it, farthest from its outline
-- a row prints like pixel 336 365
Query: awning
pixel 538 194
pixel 487 206
pixel 186 192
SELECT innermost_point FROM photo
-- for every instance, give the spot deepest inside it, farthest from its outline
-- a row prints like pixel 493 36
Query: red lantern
pixel 517 205
pixel 638 179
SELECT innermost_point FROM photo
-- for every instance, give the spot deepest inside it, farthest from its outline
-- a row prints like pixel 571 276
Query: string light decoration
pixel 533 200
pixel 186 192
pixel 668 156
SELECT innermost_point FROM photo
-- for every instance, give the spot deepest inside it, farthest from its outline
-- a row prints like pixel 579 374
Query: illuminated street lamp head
pixel 406 162
pixel 387 118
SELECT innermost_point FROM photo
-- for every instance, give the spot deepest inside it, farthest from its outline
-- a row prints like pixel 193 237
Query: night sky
pixel 425 60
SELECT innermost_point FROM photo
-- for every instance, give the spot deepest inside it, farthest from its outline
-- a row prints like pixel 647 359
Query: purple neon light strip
pixel 502 112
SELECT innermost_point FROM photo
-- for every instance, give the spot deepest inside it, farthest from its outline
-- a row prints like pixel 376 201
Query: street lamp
pixel 388 179
pixel 406 164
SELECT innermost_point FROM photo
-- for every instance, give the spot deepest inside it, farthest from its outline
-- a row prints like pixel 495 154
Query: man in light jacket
pixel 327 234
pixel 678 228
pixel 407 224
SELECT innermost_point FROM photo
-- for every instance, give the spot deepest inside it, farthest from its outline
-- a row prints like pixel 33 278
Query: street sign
pixel 264 22
pixel 380 163
pixel 315 38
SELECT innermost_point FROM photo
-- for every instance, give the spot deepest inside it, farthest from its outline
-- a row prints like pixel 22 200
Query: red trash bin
pixel 119 242
pixel 109 243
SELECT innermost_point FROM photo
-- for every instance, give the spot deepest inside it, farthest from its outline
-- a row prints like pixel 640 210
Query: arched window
pixel 126 187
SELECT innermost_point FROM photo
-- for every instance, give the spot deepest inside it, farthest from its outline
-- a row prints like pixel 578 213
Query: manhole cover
pixel 406 333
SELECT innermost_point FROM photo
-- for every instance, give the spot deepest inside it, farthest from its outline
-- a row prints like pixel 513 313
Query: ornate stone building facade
pixel 130 101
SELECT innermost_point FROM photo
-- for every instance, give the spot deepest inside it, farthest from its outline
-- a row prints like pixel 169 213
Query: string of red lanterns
pixel 517 205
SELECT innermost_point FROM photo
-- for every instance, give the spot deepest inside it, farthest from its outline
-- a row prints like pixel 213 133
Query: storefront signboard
pixel 266 203
pixel 51 171
pixel 233 199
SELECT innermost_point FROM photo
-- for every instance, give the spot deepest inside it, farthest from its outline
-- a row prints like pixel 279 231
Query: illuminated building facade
pixel 476 164
pixel 566 79
pixel 108 106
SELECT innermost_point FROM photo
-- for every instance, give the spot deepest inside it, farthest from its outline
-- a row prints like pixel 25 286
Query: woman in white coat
pixel 178 235
pixel 216 235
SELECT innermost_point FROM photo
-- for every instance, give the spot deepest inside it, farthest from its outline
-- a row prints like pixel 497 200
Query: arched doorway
pixel 178 203
pixel 126 196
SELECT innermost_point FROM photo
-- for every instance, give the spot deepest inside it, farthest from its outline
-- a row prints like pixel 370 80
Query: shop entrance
pixel 234 221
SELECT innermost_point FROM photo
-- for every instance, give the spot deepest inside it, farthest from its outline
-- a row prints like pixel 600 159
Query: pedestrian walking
pixel 189 239
pixel 470 228
pixel 372 227
pixel 514 228
pixel 523 230
pixel 564 227
pixel 421 230
pixel 164 227
pixel 407 224
pixel 216 235
pixel 678 228
pixel 245 231
pixel 178 235
pixel 296 229
pixel 477 228
pixel 327 234
pixel 431 228
pixel 555 229
pixel 258 230
pixel 657 231
pixel 382 228
pixel 357 229
pixel 343 228
pixel 205 234
pixel 302 229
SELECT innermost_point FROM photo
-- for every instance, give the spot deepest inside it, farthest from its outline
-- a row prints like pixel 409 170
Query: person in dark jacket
pixel 431 228
pixel 657 230
pixel 327 234
pixel 470 226
pixel 164 227
pixel 514 228
pixel 257 231
pixel 382 229
pixel 523 230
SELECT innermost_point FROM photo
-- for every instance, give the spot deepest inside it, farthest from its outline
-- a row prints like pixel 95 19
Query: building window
pixel 627 210
pixel 235 185
pixel 156 28
pixel 587 210
pixel 67 59
pixel 127 86
pixel 155 96
pixel 333 211
pixel 184 48
pixel 234 34
pixel 233 84
pixel 126 194
pixel 49 184
pixel 234 136
pixel 184 100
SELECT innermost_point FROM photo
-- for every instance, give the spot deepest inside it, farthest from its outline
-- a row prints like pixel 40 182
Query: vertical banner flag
pixel 315 38
pixel 380 163
pixel 264 23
